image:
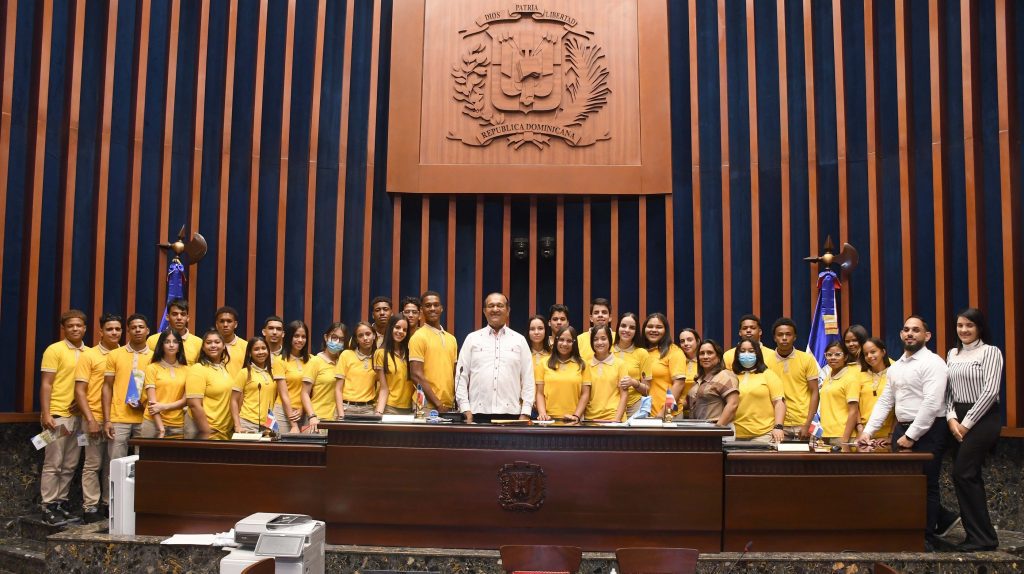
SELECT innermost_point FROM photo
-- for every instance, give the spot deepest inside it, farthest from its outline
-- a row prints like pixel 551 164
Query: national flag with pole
pixel 825 322
pixel 175 287
pixel 272 421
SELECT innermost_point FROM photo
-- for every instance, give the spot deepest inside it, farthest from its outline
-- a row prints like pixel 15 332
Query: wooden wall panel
pixel 633 236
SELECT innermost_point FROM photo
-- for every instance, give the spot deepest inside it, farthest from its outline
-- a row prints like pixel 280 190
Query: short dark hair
pixel 379 299
pixel 73 314
pixel 919 318
pixel 135 317
pixel 974 315
pixel 558 308
pixel 488 296
pixel 180 304
pixel 409 300
pixel 426 294
pixel 273 318
pixel 225 309
pixel 783 322
pixel 750 317
pixel 108 317
pixel 600 301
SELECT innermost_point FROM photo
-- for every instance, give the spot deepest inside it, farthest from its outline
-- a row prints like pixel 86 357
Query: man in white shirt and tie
pixel 916 390
pixel 494 373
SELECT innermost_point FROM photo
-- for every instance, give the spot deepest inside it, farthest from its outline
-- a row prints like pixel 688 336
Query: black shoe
pixel 972 547
pixel 52 516
pixel 946 524
pixel 91 514
pixel 63 511
pixel 104 510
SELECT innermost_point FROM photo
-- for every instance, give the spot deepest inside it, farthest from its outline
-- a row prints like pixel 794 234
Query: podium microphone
pixel 746 548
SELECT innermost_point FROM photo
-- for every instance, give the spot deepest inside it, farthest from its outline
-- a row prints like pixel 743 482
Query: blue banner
pixel 825 322
pixel 175 287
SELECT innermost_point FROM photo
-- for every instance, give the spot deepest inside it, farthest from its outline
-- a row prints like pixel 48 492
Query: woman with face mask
pixel 839 396
pixel 318 379
pixel 762 407
pixel 638 361
pixel 715 395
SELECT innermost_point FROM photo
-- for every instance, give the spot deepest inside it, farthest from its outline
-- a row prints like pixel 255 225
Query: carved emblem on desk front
pixel 529 74
pixel 522 487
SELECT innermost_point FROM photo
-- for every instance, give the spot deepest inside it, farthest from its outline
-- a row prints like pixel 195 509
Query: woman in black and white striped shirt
pixel 972 395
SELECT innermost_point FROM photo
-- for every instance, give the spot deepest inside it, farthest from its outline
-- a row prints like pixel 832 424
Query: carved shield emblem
pixel 521 487
pixel 528 75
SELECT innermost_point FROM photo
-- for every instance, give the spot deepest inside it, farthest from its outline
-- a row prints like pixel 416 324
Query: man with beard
pixel 917 390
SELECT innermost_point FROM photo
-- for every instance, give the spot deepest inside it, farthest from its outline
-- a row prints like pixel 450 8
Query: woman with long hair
pixel 853 340
pixel 715 394
pixel 390 362
pixel 165 388
pixel 974 375
pixel 293 361
pixel 839 402
pixel 874 362
pixel 638 361
pixel 668 363
pixel 208 391
pixel 318 378
pixel 689 342
pixel 607 400
pixel 538 334
pixel 356 388
pixel 563 382
pixel 762 407
pixel 257 388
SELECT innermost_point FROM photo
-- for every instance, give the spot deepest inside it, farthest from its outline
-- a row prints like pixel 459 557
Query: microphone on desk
pixel 746 548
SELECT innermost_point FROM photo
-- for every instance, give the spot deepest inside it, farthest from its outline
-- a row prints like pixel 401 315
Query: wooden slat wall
pixel 341 97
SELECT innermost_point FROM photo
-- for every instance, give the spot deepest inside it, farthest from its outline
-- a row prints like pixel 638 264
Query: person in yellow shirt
pixel 256 388
pixel 380 312
pixel 607 399
pixel 126 366
pixel 390 363
pixel 715 395
pixel 177 320
pixel 563 382
pixel 225 319
pixel 273 332
pixel 762 407
pixel 165 388
pixel 874 363
pixel 318 377
pixel 56 401
pixel 558 317
pixel 750 328
pixel 799 373
pixel 208 392
pixel 432 356
pixel 853 339
pixel 638 361
pixel 293 361
pixel 600 316
pixel 668 363
pixel 410 307
pixel 689 342
pixel 538 334
pixel 840 396
pixel 89 398
pixel 356 387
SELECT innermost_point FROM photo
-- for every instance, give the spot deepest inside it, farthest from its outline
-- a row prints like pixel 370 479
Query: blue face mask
pixel 335 347
pixel 748 359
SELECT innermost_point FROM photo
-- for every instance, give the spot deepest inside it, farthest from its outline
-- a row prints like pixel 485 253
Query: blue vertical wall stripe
pixel 380 254
pixel 325 215
pixel 179 206
pixel 600 248
pixel 922 188
pixel 858 216
pixel 682 182
pixel 546 227
pixel 769 149
pixel 709 123
pixel 956 178
pixel 409 249
pixel 493 249
pixel 738 114
pixel 465 268
pixel 825 123
pixel 631 233
pixel 519 288
pixel 573 266
pixel 656 269
pixel 437 252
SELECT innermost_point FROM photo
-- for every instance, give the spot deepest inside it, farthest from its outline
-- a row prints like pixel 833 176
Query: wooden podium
pixel 477 486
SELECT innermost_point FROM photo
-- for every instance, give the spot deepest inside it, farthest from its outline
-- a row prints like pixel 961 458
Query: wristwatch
pixel 779 427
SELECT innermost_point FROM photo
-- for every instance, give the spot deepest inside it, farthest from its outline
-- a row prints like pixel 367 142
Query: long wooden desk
pixel 477 486
pixel 825 502
pixel 200 486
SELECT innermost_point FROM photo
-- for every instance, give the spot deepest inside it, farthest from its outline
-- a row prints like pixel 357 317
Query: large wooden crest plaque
pixel 554 97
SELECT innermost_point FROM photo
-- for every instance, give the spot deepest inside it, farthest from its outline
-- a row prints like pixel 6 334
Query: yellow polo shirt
pixel 360 378
pixel 871 387
pixel 638 366
pixel 89 371
pixel 400 388
pixel 193 345
pixel 320 372
pixel 755 415
pixel 438 350
pixel 604 387
pixel 61 359
pixel 259 393
pixel 539 358
pixel 583 342
pixel 294 369
pixel 838 390
pixel 169 384
pixel 124 364
pixel 212 384
pixel 236 354
pixel 795 371
pixel 562 386
pixel 664 370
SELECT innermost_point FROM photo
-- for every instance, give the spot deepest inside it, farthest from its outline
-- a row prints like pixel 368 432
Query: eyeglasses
pixel 833 355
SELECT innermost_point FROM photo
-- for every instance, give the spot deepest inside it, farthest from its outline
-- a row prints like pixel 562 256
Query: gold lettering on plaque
pixel 528 75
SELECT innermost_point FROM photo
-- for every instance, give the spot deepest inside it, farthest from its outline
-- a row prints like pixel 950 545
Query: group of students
pixel 178 384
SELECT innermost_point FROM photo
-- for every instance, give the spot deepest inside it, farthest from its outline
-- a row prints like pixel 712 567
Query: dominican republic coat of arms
pixel 529 75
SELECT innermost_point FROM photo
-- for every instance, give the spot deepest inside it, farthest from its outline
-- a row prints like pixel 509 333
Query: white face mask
pixel 748 359
pixel 335 347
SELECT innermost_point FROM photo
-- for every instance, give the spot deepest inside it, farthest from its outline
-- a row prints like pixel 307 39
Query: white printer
pixel 294 541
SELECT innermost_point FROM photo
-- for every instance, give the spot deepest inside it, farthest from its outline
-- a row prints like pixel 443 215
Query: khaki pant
pixel 118 448
pixel 149 430
pixel 285 424
pixel 249 426
pixel 390 410
pixel 762 438
pixel 60 461
pixel 95 486
pixel 633 408
pixel 351 409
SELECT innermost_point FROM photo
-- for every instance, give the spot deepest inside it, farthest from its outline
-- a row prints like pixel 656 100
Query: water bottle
pixel 670 407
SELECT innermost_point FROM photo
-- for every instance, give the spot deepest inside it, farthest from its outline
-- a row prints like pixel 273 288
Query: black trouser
pixel 486 418
pixel 933 441
pixel 968 458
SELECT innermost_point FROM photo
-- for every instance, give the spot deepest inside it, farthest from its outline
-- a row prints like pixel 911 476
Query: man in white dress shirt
pixel 916 390
pixel 494 373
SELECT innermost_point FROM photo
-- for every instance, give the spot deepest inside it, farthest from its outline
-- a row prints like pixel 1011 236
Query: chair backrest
pixel 541 558
pixel 656 560
pixel 265 566
pixel 884 569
